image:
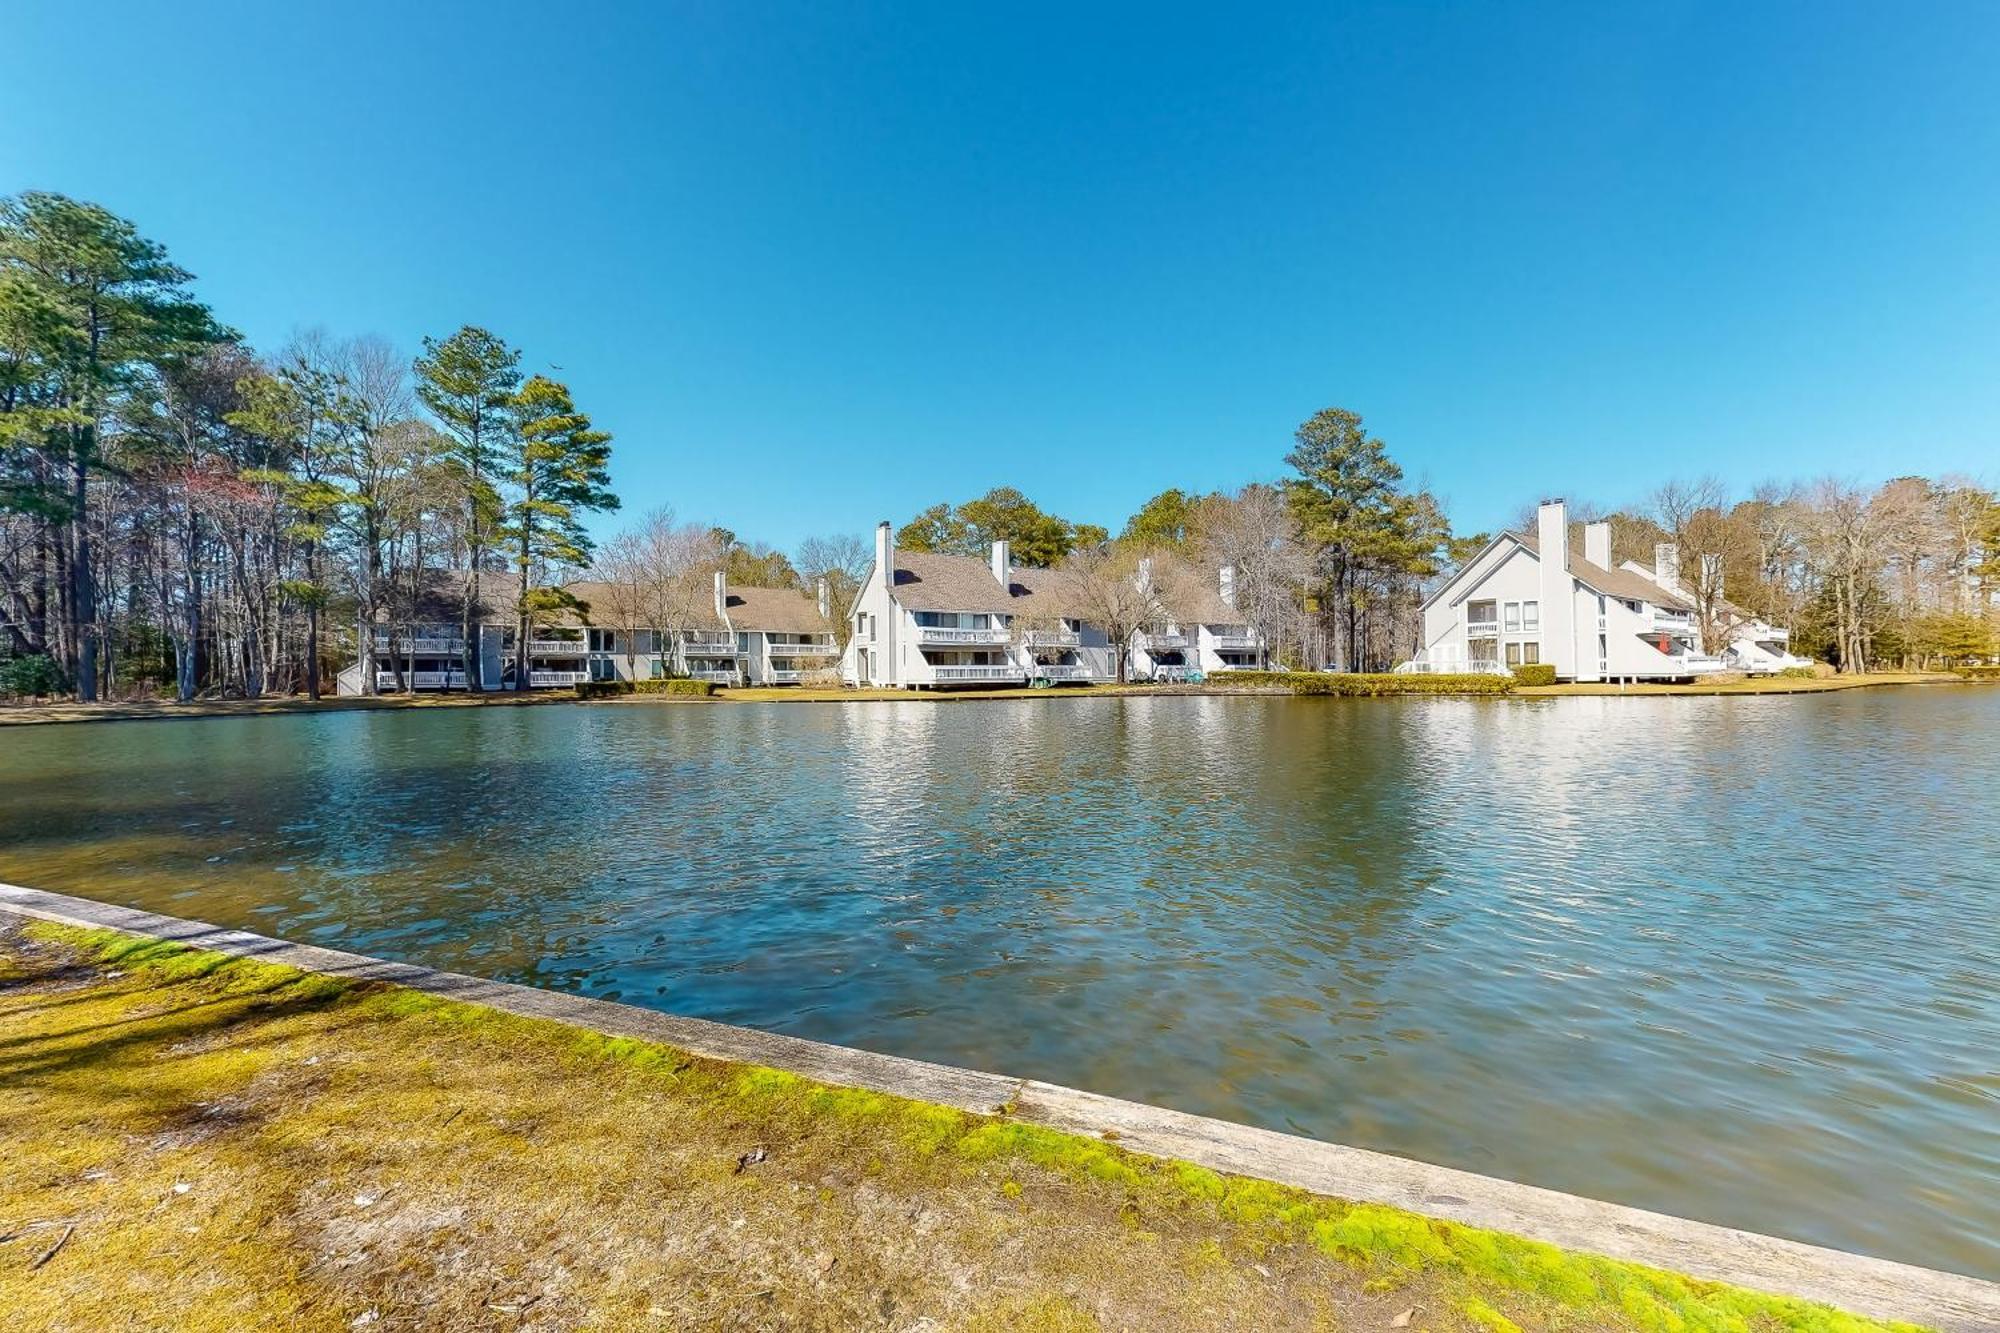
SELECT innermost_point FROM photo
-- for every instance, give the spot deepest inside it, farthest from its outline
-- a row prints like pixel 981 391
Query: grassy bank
pixel 1296 682
pixel 20 714
pixel 1753 685
pixel 200 1143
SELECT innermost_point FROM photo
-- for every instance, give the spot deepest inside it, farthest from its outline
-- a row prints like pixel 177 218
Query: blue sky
pixel 817 265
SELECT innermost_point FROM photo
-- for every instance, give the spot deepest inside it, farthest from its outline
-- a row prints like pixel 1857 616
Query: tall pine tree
pixel 559 469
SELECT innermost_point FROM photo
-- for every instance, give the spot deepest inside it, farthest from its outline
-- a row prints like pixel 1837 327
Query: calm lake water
pixel 1737 959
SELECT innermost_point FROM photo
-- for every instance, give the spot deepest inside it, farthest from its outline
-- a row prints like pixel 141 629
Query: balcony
pixel 941 634
pixel 541 680
pixel 1059 671
pixel 776 676
pixel 721 676
pixel 1052 638
pixel 1671 621
pixel 1482 629
pixel 1160 643
pixel 419 647
pixel 1226 643
pixel 945 674
pixel 709 645
pixel 420 680
pixel 822 648
pixel 556 648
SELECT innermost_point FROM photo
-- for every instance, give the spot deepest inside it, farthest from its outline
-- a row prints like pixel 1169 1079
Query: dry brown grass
pixel 229 1145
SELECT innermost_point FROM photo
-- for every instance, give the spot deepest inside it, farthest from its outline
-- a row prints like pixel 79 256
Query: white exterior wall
pixel 1207 647
pixel 1507 573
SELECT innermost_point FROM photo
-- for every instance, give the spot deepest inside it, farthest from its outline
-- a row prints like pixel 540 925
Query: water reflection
pixel 1734 958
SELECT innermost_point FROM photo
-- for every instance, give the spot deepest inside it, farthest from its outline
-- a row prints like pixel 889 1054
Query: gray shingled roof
pixel 1611 582
pixel 1048 592
pixel 926 581
pixel 777 610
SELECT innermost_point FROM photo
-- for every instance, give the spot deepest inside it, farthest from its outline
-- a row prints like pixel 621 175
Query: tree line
pixel 177 508
pixel 179 511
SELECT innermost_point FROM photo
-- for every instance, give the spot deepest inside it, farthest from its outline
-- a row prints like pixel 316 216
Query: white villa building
pixel 1526 599
pixel 747 636
pixel 924 620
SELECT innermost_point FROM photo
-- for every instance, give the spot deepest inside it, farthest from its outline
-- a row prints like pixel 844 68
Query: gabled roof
pixel 601 597
pixel 1048 592
pixel 927 581
pixel 441 595
pixel 1202 604
pixel 1621 583
pixel 776 610
pixel 1611 582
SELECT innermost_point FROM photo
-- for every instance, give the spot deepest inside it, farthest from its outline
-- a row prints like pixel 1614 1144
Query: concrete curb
pixel 1852 1282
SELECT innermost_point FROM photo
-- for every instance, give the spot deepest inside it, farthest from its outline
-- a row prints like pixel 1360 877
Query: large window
pixel 1513 654
pixel 1531 652
pixel 1482 616
pixel 1513 617
pixel 1531 616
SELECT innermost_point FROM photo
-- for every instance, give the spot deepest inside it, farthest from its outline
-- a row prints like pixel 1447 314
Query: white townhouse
pixel 1755 645
pixel 923 619
pixel 1525 599
pixel 758 636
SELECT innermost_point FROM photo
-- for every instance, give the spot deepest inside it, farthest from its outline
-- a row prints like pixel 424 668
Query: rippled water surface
pixel 1731 958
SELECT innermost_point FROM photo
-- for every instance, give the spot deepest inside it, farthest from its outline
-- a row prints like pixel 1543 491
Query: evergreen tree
pixel 559 468
pixel 468 382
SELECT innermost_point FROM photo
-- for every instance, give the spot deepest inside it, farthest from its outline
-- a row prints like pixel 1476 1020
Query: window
pixel 1531 652
pixel 1481 613
pixel 1531 616
pixel 1513 653
pixel 1513 620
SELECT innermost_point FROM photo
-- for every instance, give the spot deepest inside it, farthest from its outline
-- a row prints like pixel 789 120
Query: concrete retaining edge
pixel 1857 1283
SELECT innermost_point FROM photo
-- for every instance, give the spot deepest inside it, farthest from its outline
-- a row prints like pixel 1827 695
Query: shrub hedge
pixel 608 689
pixel 1370 683
pixel 1979 672
pixel 1535 673
pixel 1799 673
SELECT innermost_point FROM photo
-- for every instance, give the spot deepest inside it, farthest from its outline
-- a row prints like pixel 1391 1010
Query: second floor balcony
pixel 420 645
pixel 1233 640
pixel 706 644
pixel 1160 641
pixel 557 648
pixel 957 634
pixel 1051 638
pixel 420 680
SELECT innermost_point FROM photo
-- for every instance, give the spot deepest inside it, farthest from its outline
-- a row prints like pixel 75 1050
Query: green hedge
pixel 1979 672
pixel 1535 673
pixel 1371 683
pixel 1799 673
pixel 610 689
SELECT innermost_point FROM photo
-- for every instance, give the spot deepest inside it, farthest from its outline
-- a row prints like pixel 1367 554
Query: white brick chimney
pixel 1227 578
pixel 1003 564
pixel 825 598
pixel 1570 651
pixel 1667 565
pixel 722 597
pixel 885 554
pixel 1597 544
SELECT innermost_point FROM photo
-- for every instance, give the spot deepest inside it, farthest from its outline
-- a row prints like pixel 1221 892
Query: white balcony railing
pixel 421 647
pixel 704 644
pixel 720 675
pixel 1675 620
pixel 553 679
pixel 1482 629
pixel 1062 671
pixel 940 634
pixel 420 680
pixel 1154 643
pixel 1052 638
pixel 946 673
pixel 823 648
pixel 783 676
pixel 557 648
pixel 1235 642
